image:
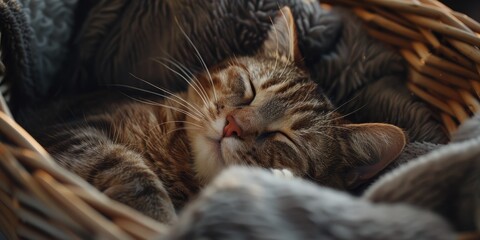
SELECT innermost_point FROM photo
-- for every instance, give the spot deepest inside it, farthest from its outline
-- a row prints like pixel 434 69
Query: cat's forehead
pixel 265 66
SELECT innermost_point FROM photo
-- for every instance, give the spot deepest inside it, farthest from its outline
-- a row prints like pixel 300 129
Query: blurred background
pixel 469 7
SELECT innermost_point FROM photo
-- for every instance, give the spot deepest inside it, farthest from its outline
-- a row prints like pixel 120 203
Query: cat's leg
pixel 115 170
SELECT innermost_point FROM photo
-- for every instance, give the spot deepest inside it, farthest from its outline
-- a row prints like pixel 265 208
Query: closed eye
pixel 254 92
pixel 278 136
pixel 249 94
pixel 244 95
pixel 275 135
pixel 265 135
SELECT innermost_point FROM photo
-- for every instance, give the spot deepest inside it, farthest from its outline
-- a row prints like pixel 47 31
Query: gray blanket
pixel 17 56
pixel 34 37
pixel 434 196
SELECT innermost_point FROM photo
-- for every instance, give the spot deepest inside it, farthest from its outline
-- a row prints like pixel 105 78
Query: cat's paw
pixel 152 201
pixel 282 173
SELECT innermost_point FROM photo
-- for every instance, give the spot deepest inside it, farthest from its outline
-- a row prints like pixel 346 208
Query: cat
pixel 261 110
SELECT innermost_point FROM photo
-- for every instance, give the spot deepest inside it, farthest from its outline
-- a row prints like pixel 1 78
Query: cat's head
pixel 263 110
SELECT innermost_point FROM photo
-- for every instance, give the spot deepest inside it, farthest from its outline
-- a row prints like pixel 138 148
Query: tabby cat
pixel 261 110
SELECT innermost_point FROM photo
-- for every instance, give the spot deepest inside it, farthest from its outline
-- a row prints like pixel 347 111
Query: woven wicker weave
pixel 441 46
pixel 40 200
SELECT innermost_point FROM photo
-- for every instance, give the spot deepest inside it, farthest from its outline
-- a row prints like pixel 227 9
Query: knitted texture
pixel 20 78
pixel 51 22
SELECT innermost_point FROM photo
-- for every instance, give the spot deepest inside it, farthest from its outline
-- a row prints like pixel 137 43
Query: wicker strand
pixel 385 22
pixel 90 195
pixel 440 45
pixel 18 135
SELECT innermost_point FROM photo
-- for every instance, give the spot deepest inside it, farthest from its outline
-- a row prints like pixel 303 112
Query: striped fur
pixel 155 155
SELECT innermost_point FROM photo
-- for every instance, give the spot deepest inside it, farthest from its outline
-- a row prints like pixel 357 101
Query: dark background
pixel 469 7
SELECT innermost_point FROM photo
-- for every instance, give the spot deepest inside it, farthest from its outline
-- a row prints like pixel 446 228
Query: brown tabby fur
pixel 154 155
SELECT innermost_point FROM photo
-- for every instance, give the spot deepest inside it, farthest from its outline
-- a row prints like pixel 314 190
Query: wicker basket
pixel 440 45
pixel 40 200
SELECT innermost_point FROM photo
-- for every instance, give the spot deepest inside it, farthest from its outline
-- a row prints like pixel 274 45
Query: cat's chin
pixel 209 159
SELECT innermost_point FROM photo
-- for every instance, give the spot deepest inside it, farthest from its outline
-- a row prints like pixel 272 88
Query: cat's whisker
pixel 343 104
pixel 149 102
pixel 196 82
pixel 346 115
pixel 185 79
pixel 190 105
pixel 180 129
pixel 202 89
pixel 183 74
pixel 193 109
pixel 199 58
pixel 194 78
pixel 190 78
pixel 172 108
pixel 168 122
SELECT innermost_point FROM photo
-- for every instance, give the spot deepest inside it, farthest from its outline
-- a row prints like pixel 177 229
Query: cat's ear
pixel 375 146
pixel 282 37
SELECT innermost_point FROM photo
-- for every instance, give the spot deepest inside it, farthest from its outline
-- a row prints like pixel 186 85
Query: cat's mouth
pixel 221 147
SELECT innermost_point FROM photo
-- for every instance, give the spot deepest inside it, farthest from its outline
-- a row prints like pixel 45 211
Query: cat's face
pixel 263 110
pixel 260 115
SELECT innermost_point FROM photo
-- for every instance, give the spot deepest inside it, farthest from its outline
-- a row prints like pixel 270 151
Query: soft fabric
pixel 17 54
pixel 51 22
pixel 247 203
pixel 120 38
pixel 35 37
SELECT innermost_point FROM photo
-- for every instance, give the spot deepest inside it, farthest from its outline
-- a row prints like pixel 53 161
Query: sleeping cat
pixel 154 154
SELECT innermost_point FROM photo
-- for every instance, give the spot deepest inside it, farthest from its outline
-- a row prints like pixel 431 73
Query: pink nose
pixel 232 127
